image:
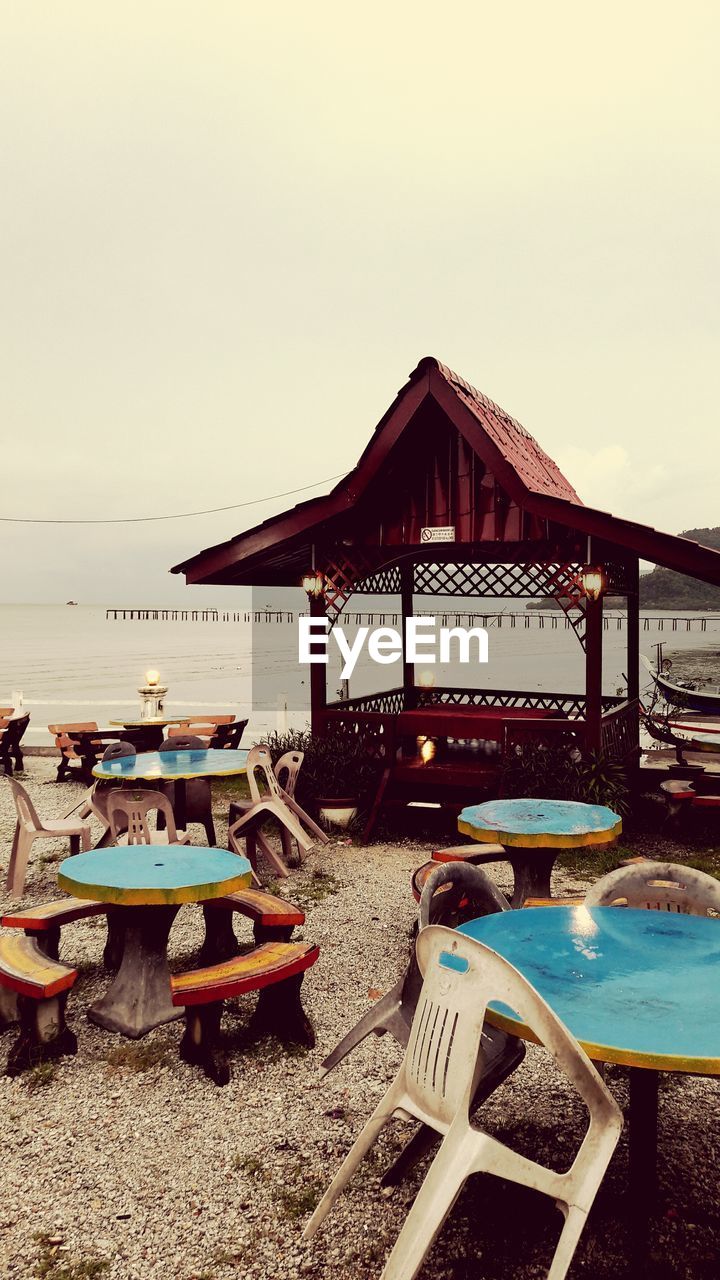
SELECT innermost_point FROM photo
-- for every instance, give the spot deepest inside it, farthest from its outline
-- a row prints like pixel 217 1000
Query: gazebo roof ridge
pixel 513 493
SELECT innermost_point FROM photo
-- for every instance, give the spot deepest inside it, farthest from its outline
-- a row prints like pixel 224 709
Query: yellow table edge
pixel 545 840
pixel 168 897
pixel 155 777
pixel 609 1053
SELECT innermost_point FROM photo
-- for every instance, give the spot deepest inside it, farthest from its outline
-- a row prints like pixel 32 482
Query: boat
pixel 71 602
pixel 688 694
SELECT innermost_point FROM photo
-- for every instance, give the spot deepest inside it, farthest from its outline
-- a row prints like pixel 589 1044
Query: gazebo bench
pixel 275 970
pixel 41 985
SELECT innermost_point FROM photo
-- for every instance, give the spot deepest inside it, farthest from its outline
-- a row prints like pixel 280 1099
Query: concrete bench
pixel 275 970
pixel 41 985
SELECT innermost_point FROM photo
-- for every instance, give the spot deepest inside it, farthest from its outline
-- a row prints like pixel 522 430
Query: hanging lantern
pixel 313 584
pixel 593 582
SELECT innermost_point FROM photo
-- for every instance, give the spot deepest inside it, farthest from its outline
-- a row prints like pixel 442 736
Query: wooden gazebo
pixel 453 497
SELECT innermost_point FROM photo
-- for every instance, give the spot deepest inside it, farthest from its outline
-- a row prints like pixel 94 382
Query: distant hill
pixel 665 589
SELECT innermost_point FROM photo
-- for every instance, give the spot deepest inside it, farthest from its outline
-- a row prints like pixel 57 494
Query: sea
pixel 71 663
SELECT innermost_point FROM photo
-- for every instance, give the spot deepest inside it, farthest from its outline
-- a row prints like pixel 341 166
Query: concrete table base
pixel 139 998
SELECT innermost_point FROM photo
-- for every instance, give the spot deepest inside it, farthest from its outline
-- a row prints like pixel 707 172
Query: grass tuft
pixel 52 1264
pixel 40 1076
pixel 138 1056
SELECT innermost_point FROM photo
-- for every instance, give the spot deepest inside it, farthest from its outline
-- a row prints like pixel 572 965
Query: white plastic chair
pixel 437 1080
pixel 271 802
pixel 658 886
pixel 128 816
pixel 31 827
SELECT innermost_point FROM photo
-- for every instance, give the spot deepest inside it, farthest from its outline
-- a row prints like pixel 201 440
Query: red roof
pixel 536 493
pixel 533 466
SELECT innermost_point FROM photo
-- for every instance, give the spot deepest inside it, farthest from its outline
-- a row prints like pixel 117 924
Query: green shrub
pixel 563 772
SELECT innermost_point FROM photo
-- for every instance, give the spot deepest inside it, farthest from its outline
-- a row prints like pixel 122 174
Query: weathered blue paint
pixel 172 871
pixel 642 985
pixel 540 817
pixel 151 766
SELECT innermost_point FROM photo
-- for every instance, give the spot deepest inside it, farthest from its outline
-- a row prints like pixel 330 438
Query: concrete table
pixel 639 988
pixel 534 832
pixel 146 885
pixel 174 766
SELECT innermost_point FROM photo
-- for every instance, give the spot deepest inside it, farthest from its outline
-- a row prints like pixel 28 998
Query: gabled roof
pixel 512 461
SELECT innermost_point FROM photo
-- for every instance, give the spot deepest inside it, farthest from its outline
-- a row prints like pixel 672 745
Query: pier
pixel 553 620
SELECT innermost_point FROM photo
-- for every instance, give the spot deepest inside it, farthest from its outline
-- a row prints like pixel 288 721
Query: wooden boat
pixel 684 693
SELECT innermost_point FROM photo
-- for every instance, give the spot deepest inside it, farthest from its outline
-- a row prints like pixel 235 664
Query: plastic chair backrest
pixel 229 736
pixel 119 751
pixel 260 761
pixel 658 886
pixel 26 810
pixel 457 891
pixel 183 742
pixel 443 1060
pixel 135 807
pixel 287 770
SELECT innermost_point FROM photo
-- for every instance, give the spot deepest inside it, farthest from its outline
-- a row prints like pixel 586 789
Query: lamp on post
pixel 152 695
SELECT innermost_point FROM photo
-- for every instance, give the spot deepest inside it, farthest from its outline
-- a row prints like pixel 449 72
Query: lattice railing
pixel 620 731
pixel 393 701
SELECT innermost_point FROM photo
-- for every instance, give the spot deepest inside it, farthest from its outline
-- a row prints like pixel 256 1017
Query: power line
pixel 179 515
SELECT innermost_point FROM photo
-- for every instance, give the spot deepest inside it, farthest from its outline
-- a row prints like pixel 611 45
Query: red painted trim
pixel 289 915
pixel 208 992
pixel 40 924
pixel 36 990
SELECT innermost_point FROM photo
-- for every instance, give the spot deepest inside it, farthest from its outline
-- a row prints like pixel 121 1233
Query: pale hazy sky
pixel 229 231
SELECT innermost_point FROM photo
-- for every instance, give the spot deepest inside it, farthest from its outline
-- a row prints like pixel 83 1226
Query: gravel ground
pixel 125 1163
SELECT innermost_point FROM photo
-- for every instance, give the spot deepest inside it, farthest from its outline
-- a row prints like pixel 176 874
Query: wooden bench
pixel 47 920
pixel 41 986
pixel 275 970
pixel 273 920
pixel 70 761
pixel 11 732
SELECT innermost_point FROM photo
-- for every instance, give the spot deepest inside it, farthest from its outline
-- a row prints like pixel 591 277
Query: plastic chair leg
pixel 568 1243
pixel 353 1159
pixel 384 1016
pixel 444 1180
pixel 16 878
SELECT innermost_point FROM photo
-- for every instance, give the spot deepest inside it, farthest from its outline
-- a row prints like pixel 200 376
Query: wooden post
pixel 633 633
pixel 593 672
pixel 407 577
pixel 318 672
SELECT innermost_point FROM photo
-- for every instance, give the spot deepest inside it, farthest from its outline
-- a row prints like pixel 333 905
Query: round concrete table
pixel 534 832
pixel 638 988
pixel 174 766
pixel 146 886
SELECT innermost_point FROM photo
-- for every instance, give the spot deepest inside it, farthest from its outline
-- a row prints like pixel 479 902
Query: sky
pixel 230 231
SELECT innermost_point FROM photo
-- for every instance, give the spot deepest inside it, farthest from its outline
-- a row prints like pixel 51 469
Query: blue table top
pixel 553 823
pixel 151 766
pixel 154 875
pixel 640 988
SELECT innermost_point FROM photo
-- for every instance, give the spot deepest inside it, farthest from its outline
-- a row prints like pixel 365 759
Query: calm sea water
pixel 72 664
